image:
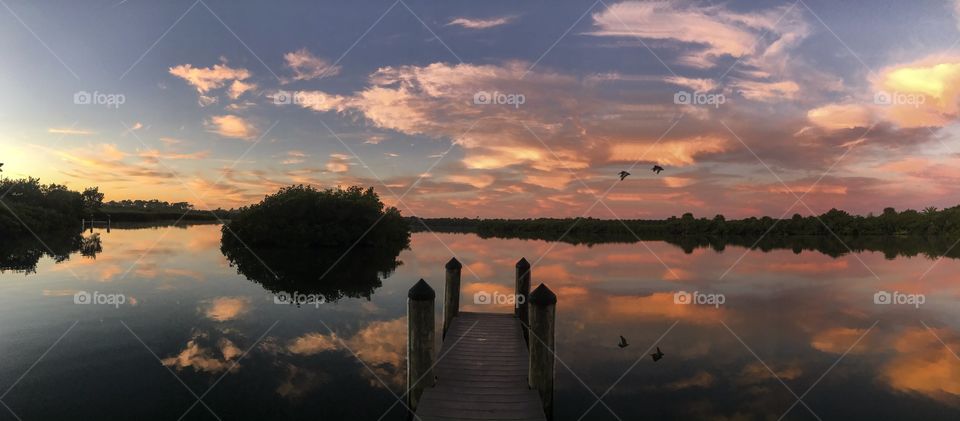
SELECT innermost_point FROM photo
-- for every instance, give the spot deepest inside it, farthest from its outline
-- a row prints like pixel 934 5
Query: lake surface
pixel 189 326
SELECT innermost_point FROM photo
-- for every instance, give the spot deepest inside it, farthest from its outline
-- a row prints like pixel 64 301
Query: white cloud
pixel 699 85
pixel 761 38
pixel 956 12
pixel 70 131
pixel 841 116
pixel 307 66
pixel 295 157
pixel 437 100
pixel 480 23
pixel 338 163
pixel 766 91
pixel 136 126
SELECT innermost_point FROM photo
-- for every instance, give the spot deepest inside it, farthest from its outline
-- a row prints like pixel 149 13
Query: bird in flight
pixel 623 342
pixel 623 174
pixel 657 355
pixel 657 169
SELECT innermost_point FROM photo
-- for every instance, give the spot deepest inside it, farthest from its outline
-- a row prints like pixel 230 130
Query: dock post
pixel 521 309
pixel 451 294
pixel 420 341
pixel 543 316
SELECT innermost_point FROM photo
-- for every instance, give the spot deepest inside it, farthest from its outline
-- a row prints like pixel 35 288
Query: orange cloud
pixel 231 126
pixel 155 156
pixel 701 379
pixel 674 152
pixel 307 66
pixel 222 309
pixel 924 365
pixel 661 305
pixel 205 79
pixel 922 93
pixel 381 345
pixel 838 340
pixel 201 358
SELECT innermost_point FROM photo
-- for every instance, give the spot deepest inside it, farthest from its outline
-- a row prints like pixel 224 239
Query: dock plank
pixel 481 373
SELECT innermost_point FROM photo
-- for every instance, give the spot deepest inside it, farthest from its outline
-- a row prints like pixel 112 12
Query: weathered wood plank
pixel 481 373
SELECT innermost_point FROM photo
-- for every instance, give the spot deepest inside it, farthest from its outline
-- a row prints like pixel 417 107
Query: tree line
pixel 153 205
pixel 928 222
pixel 29 205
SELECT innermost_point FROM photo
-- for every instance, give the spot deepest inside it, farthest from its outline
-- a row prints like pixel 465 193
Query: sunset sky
pixel 847 104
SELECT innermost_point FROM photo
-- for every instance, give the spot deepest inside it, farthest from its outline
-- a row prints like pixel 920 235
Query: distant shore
pixel 129 215
pixel 835 224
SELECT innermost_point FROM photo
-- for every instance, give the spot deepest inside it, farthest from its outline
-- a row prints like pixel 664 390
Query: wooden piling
pixel 420 341
pixel 451 294
pixel 521 309
pixel 542 345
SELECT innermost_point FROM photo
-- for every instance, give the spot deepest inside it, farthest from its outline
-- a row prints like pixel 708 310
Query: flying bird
pixel 623 342
pixel 623 174
pixel 657 169
pixel 657 355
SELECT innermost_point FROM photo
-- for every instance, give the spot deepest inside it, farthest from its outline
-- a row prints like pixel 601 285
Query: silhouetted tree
pixel 92 199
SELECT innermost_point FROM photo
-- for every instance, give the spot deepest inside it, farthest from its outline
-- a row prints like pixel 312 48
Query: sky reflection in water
pixel 793 315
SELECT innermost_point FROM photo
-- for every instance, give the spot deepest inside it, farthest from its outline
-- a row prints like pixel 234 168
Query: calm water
pixel 188 318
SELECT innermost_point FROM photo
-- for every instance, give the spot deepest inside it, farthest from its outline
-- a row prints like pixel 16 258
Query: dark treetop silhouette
pixel 315 271
pixel 41 207
pixel 23 254
pixel 304 217
pixel 293 241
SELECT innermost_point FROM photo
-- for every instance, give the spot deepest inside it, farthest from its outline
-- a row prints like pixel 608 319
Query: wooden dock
pixel 491 366
pixel 482 373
